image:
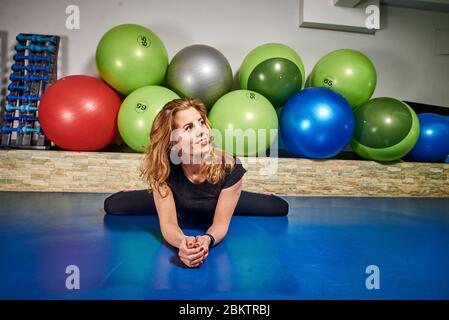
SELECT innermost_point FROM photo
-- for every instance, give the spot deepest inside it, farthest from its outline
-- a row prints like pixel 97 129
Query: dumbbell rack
pixel 34 68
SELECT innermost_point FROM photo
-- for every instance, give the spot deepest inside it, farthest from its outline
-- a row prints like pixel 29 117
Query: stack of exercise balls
pixel 334 110
pixel 319 122
pixel 83 113
pixel 134 61
pixel 247 119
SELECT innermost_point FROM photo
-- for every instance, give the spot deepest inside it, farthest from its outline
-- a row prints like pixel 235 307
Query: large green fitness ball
pixel 274 70
pixel 130 56
pixel 386 129
pixel 137 114
pixel 245 123
pixel 348 72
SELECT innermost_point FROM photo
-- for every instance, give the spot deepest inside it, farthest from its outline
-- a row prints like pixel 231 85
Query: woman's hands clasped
pixel 194 250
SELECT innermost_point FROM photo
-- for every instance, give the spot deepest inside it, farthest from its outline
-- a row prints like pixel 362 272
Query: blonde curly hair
pixel 155 168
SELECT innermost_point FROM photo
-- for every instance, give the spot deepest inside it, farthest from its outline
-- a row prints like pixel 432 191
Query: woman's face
pixel 191 132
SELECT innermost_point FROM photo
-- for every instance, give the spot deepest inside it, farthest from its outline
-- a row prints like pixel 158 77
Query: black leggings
pixel 141 202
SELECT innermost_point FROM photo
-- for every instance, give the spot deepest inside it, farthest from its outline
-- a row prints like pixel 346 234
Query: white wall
pixel 403 51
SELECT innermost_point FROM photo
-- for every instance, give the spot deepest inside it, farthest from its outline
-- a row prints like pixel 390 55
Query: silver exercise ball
pixel 200 72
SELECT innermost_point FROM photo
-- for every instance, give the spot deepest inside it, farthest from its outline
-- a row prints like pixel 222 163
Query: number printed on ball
pixel 141 106
pixel 144 41
pixel 328 82
pixel 252 96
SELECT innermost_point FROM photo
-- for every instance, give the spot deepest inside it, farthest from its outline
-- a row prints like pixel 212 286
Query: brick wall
pixel 63 171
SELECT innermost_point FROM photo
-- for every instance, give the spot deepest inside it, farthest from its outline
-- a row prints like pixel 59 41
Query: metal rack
pixel 34 68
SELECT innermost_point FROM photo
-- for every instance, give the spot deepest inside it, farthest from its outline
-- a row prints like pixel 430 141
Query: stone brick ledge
pixel 107 172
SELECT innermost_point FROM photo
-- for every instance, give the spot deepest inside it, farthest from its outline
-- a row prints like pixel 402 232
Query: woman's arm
pixel 189 254
pixel 166 210
pixel 227 201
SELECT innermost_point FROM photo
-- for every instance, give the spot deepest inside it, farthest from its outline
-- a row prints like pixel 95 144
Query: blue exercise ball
pixel 447 158
pixel 316 123
pixel 433 141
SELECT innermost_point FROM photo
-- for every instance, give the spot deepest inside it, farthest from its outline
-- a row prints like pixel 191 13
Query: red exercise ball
pixel 79 113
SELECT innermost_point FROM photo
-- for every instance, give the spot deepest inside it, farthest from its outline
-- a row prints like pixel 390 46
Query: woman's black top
pixel 196 202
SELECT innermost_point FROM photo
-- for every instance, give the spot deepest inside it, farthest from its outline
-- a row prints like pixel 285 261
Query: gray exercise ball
pixel 200 72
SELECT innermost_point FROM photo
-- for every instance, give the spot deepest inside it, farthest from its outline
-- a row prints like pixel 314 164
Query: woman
pixel 191 181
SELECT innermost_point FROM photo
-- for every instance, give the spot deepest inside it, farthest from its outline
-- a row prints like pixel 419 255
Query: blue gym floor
pixel 320 251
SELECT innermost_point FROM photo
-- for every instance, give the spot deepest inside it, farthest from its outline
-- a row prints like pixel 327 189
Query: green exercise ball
pixel 386 129
pixel 274 70
pixel 130 56
pixel 247 118
pixel 137 113
pixel 348 72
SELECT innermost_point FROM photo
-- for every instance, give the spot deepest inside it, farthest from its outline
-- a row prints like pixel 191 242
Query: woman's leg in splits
pixel 141 202
pixel 259 204
pixel 130 202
